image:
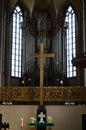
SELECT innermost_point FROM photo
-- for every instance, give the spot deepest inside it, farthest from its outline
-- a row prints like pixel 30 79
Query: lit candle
pixel 21 122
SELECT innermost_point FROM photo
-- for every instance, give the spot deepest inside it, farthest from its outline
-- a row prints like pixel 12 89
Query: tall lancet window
pixel 71 46
pixel 17 19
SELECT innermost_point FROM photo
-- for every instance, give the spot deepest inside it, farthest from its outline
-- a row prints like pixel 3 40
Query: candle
pixel 21 122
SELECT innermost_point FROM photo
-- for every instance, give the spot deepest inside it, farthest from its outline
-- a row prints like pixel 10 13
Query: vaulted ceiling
pixel 54 8
pixel 53 3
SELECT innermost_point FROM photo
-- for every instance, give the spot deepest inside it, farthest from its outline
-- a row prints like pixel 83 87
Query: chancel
pixel 48 86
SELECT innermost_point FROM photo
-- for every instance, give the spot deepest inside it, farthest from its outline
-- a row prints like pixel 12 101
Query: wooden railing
pixel 52 93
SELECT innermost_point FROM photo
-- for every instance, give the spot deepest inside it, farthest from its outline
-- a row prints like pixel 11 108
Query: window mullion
pixel 16 44
pixel 70 41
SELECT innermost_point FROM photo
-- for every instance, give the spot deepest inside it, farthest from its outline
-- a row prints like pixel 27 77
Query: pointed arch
pixel 17 19
pixel 70 40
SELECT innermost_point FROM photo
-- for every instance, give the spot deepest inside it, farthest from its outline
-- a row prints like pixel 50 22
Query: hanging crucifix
pixel 42 55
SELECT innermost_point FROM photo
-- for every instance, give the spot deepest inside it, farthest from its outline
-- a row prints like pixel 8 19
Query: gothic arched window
pixel 71 45
pixel 17 19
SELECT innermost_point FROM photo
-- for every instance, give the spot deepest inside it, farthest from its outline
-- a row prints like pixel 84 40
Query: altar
pixel 41 121
pixel 33 126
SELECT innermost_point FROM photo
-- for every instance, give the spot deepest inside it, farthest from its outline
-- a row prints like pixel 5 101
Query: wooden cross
pixel 42 55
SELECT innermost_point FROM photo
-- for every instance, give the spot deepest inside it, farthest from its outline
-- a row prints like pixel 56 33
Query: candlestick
pixel 21 122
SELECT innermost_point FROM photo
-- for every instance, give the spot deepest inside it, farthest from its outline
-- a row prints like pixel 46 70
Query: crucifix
pixel 41 116
pixel 42 55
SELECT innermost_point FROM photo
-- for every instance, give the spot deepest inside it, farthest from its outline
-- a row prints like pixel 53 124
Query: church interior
pixel 43 63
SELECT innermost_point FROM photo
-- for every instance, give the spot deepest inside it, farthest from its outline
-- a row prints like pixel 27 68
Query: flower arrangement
pixel 49 119
pixel 32 119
